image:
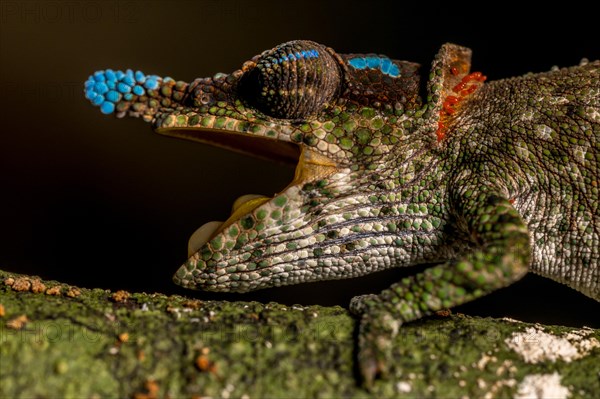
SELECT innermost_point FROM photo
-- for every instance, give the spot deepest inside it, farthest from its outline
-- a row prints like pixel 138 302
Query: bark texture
pixel 62 341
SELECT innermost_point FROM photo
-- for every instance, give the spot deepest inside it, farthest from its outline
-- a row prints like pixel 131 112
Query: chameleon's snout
pixel 132 93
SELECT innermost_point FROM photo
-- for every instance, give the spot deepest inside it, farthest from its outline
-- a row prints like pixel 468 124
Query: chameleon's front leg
pixel 500 256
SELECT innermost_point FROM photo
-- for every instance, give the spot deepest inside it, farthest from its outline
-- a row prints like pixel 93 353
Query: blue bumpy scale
pixel 105 89
pixel 299 55
pixel 384 64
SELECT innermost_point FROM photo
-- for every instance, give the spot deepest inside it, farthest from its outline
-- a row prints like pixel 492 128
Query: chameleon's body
pixel 489 180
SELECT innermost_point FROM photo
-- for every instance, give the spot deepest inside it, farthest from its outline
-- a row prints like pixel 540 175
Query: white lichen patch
pixel 542 386
pixel 485 359
pixel 403 387
pixel 506 370
pixel 506 367
pixel 492 391
pixel 535 345
pixel 511 320
pixel 577 335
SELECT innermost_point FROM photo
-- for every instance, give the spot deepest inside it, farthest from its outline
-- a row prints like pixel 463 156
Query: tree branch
pixel 62 341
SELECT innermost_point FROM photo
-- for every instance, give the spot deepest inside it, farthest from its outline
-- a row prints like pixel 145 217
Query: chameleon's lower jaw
pixel 311 166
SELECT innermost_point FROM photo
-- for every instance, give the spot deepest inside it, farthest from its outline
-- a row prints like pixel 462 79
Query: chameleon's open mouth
pixel 246 143
pixel 309 166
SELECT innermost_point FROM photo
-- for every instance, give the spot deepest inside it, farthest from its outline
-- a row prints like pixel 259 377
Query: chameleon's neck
pixel 400 205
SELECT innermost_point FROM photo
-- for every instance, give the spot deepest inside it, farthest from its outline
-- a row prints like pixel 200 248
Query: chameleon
pixel 395 166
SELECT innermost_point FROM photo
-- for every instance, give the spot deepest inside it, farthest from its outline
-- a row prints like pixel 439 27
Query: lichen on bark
pixel 62 341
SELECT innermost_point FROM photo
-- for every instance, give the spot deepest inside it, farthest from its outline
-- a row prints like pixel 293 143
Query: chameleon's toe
pixel 369 370
pixel 375 338
pixel 371 365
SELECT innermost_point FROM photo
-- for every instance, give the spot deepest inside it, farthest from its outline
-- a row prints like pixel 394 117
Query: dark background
pixel 97 202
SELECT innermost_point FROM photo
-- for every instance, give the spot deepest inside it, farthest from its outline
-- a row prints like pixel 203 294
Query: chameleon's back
pixel 538 136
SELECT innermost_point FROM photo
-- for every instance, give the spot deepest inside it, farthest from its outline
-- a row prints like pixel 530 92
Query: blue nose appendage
pixel 132 93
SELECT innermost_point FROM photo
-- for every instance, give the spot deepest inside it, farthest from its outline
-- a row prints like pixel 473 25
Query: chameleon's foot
pixel 376 334
pixel 370 368
pixel 377 330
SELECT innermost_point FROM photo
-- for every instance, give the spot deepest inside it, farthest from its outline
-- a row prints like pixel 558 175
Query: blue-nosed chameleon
pixel 486 180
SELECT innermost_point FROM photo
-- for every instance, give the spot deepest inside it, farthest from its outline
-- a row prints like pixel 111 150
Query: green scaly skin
pixel 501 182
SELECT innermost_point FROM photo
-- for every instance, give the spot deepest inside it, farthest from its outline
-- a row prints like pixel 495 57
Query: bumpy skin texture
pixel 489 180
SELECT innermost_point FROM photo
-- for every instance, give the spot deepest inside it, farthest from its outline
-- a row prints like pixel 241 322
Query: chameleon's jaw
pixel 215 245
pixel 258 146
pixel 311 166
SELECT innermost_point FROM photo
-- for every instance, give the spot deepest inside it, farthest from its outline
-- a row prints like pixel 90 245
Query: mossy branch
pixel 62 341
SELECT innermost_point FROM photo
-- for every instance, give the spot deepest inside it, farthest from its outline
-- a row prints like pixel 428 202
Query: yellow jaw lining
pixel 244 209
pixel 311 167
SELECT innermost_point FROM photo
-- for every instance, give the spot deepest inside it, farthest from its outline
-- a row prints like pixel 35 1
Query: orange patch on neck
pixel 462 90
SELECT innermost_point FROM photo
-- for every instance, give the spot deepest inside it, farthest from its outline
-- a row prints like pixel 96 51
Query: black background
pixel 97 202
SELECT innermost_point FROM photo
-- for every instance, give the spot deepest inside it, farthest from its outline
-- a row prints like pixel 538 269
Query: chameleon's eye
pixel 292 81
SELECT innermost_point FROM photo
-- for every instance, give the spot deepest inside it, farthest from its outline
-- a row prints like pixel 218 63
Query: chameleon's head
pixel 341 118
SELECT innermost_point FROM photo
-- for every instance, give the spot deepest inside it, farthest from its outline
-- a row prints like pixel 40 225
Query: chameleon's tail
pixel 133 93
